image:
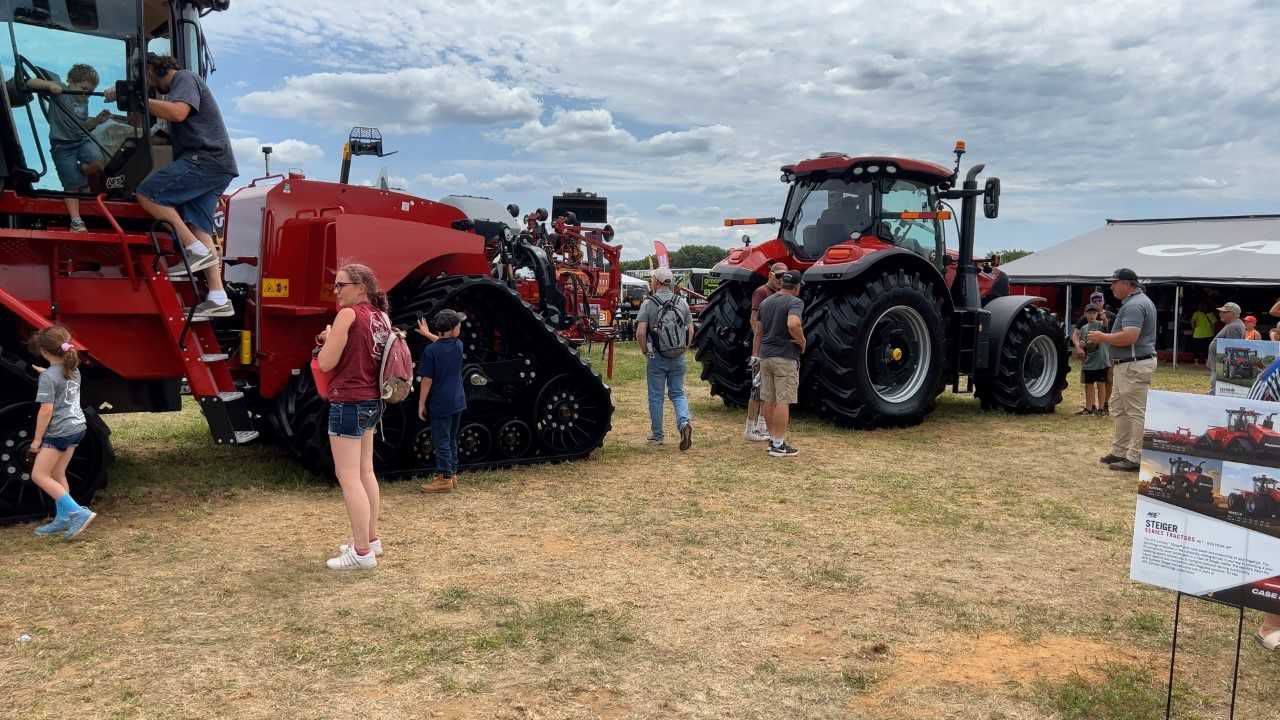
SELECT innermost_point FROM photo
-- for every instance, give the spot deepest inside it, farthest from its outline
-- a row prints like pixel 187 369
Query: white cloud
pixel 285 155
pixel 455 180
pixel 595 131
pixel 668 209
pixel 515 183
pixel 408 100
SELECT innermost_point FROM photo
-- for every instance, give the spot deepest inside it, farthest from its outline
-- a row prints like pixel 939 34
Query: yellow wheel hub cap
pixel 896 354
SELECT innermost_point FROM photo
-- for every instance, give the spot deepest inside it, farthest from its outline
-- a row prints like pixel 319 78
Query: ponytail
pixel 379 300
pixel 55 341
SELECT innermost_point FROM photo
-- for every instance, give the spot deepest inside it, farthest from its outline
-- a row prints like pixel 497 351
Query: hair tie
pixel 66 347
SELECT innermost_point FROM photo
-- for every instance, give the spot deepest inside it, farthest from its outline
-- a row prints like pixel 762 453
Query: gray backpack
pixel 669 332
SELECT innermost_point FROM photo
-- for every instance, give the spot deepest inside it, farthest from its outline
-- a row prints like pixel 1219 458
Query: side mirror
pixel 514 210
pixel 991 198
pixel 607 232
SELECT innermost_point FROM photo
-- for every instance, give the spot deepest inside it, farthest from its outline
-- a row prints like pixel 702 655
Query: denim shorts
pixel 67 158
pixel 61 444
pixel 190 186
pixel 352 419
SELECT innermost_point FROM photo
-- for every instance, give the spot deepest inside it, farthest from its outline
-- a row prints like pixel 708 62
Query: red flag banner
pixel 661 251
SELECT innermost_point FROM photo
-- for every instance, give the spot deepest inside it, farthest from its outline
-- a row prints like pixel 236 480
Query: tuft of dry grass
pixel 972 567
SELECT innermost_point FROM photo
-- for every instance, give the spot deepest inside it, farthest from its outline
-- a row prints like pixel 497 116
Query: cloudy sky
pixel 682 113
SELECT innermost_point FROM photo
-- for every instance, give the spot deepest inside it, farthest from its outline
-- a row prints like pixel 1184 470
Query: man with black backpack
pixel 664 329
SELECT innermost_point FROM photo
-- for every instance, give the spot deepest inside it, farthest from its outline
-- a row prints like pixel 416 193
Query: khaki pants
pixel 1129 406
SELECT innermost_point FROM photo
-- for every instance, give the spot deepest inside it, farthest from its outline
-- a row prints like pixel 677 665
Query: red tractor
pixel 531 398
pixel 1262 503
pixel 891 315
pixel 1184 481
pixel 1239 362
pixel 1243 434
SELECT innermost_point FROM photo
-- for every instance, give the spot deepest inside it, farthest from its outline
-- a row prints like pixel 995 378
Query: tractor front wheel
pixel 20 498
pixel 876 350
pixel 1031 371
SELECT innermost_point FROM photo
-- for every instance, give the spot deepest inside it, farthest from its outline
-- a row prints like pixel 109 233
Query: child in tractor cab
pixel 74 152
pixel 441 398
pixel 60 427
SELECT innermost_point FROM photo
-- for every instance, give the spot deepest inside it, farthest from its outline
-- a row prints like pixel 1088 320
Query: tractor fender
pixel 1003 311
pixel 889 258
pixel 751 264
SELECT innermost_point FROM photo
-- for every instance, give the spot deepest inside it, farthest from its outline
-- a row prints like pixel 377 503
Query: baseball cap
pixel 446 320
pixel 1125 274
pixel 663 276
pixel 1250 320
pixel 1097 298
pixel 1230 307
pixel 792 279
pixel 778 268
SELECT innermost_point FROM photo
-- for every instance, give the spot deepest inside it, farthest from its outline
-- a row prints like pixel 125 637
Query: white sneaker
pixel 349 560
pixel 375 547
pixel 755 436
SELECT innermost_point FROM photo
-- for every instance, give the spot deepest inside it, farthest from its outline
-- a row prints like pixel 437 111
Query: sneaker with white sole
pixel 349 560
pixel 78 521
pixel 197 263
pixel 211 309
pixel 783 450
pixel 58 525
pixel 78 225
pixel 375 547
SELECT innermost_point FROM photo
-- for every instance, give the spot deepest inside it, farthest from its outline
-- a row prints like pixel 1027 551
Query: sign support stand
pixel 1173 653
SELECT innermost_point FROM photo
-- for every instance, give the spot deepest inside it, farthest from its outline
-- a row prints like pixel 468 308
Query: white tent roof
pixel 1241 250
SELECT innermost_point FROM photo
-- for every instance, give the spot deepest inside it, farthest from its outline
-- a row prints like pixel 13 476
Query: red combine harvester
pixel 891 315
pixel 531 397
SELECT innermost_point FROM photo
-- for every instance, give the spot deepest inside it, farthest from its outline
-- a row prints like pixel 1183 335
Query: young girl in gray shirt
pixel 60 427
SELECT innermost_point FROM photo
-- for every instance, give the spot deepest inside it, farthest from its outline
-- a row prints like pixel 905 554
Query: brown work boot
pixel 440 484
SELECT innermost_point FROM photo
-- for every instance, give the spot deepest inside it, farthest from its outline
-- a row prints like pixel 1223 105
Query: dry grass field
pixel 975 567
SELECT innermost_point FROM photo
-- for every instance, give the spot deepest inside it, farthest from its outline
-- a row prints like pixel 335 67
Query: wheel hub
pixel 898 354
pixel 1040 366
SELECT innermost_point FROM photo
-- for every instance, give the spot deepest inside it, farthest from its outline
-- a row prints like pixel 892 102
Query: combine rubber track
pixel 20 498
pixel 530 397
pixel 723 342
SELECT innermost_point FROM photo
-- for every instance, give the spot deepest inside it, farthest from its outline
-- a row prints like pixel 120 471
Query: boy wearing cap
pixel 1251 328
pixel 1093 371
pixel 757 428
pixel 782 342
pixel 441 398
pixel 1132 348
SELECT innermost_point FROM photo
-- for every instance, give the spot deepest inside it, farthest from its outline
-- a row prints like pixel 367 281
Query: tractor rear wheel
pixel 723 342
pixel 1234 502
pixel 20 498
pixel 1031 371
pixel 876 349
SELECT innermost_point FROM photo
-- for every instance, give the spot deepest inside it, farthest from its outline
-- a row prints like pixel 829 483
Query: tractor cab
pixel 1182 466
pixel 90 49
pixel 1241 419
pixel 872 202
pixel 1266 485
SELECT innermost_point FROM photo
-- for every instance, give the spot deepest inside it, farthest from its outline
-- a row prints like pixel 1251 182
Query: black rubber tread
pixel 833 375
pixel 723 342
pixel 500 326
pixel 1004 389
pixel 20 499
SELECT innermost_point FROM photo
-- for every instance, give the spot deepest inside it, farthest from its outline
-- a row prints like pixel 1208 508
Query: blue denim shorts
pixel 352 419
pixel 190 186
pixel 67 158
pixel 62 443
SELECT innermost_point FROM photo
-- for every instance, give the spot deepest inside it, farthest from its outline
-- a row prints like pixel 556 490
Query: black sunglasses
pixel 340 285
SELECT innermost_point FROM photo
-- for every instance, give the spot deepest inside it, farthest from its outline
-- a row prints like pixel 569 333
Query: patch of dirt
pixel 995 660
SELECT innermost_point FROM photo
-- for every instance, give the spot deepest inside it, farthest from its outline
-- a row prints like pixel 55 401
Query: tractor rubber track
pixel 1005 389
pixel 20 498
pixel 723 342
pixel 530 397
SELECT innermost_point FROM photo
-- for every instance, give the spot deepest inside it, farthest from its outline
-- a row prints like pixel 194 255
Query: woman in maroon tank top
pixel 352 352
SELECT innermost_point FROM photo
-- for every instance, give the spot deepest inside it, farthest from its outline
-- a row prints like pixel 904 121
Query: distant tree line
pixel 689 256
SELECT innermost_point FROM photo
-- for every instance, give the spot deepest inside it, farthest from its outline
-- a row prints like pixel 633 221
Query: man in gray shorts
pixel 757 429
pixel 781 345
pixel 1132 342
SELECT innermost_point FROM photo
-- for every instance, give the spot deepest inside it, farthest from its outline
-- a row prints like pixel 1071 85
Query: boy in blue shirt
pixel 441 397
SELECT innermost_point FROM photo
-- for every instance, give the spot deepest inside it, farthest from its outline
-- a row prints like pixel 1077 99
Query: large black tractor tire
pixel 1031 367
pixel 876 348
pixel 530 397
pixel 20 499
pixel 723 342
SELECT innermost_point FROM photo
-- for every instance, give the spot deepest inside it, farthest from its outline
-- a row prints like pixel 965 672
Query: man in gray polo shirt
pixel 1132 342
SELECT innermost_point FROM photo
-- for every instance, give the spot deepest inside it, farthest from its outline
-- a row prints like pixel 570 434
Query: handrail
pixel 124 241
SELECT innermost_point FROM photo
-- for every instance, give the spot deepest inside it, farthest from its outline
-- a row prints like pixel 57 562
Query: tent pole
pixel 1066 312
pixel 1177 312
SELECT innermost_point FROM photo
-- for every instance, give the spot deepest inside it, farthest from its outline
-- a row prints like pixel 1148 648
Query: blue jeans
pixel 444 442
pixel 190 186
pixel 669 373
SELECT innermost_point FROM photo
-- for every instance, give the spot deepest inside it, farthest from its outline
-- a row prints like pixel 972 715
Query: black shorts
pixel 1093 376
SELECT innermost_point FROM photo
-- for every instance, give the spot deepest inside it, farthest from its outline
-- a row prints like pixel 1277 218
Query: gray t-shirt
pixel 649 310
pixel 1233 330
pixel 1095 354
pixel 775 338
pixel 203 132
pixel 54 387
pixel 1138 311
pixel 67 113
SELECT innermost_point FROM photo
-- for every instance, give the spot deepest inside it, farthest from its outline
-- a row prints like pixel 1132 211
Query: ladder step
pixel 230 396
pixel 246 436
pixel 214 357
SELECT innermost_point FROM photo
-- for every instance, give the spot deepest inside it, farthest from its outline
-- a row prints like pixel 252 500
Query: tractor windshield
pixel 826 213
pixel 923 237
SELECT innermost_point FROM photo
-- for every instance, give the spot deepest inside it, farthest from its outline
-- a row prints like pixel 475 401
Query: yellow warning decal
pixel 275 287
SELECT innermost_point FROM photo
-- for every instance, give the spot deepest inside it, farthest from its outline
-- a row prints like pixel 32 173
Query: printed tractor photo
pixel 1240 363
pixel 1260 503
pixel 1243 437
pixel 1186 480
